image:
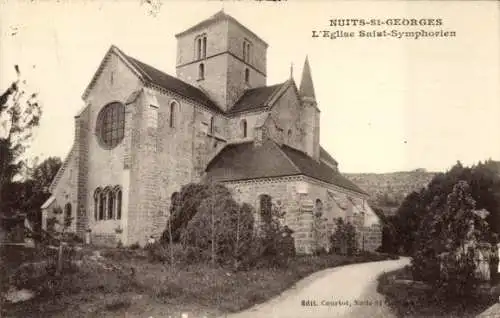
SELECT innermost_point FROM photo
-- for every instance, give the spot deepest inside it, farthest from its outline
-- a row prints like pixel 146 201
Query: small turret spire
pixel 306 84
pixel 291 70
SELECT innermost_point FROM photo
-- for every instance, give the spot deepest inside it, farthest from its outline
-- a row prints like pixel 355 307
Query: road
pixel 347 291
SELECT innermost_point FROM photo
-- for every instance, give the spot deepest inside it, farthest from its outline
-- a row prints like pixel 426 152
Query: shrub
pixel 343 240
pixel 134 246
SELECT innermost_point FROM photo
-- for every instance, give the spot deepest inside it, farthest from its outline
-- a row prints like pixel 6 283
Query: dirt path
pixel 348 291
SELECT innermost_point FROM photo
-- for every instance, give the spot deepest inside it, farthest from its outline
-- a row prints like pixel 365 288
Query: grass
pixel 419 300
pixel 157 289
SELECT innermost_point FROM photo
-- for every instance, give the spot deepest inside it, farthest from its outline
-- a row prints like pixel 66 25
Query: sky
pixel 386 104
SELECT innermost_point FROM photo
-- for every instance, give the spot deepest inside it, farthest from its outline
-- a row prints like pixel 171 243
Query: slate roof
pixel 171 83
pixel 255 98
pixel 245 161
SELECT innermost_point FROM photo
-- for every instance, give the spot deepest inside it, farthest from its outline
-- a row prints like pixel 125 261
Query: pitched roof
pixel 245 161
pixel 255 98
pixel 319 170
pixel 219 16
pixel 168 82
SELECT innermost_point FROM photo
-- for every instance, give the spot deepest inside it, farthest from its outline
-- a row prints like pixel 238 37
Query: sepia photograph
pixel 241 159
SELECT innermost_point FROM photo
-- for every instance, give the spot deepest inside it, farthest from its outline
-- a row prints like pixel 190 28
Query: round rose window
pixel 111 124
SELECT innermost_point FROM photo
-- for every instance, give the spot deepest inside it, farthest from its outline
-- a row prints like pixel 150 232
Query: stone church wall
pixel 289 116
pixel 100 167
pixel 298 197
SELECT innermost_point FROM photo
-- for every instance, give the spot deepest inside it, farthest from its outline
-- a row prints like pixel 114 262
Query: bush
pixel 343 240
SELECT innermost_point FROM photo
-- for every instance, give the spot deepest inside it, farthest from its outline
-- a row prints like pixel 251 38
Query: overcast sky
pixel 386 104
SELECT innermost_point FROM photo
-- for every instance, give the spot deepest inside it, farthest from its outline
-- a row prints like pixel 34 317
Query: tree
pixel 484 182
pixel 19 115
pixel 447 240
pixel 221 227
pixel 28 195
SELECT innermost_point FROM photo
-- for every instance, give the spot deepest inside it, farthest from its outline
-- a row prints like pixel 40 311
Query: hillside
pixel 387 190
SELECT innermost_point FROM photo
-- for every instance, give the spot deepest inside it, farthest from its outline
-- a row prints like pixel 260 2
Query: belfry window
pixel 201 47
pixel 246 51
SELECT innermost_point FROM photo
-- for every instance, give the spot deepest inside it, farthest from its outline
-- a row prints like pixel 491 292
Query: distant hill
pixel 387 190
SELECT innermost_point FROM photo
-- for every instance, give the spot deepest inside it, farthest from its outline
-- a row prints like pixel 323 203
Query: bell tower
pixel 221 57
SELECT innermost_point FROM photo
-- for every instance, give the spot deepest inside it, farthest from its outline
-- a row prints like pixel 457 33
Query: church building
pixel 143 134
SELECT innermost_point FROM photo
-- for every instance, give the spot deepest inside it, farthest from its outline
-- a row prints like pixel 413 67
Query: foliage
pixel 221 226
pixel 446 242
pixel 343 240
pixel 184 205
pixel 484 182
pixel 19 115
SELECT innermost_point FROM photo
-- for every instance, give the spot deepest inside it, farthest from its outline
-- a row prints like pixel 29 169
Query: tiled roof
pixel 255 98
pixel 245 161
pixel 171 83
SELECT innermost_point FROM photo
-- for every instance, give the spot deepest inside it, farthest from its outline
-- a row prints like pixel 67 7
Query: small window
pixel 173 106
pixel 289 134
pixel 244 128
pixel 201 71
pixel 212 128
pixel 247 75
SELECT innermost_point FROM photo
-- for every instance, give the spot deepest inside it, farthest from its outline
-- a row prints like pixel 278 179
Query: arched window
pixel 102 200
pixel 247 75
pixel 266 206
pixel 67 210
pixel 118 196
pixel 111 203
pixel 204 53
pixel 199 47
pixel 289 134
pixel 173 106
pixel 110 125
pixel 97 194
pixel 244 128
pixel 201 71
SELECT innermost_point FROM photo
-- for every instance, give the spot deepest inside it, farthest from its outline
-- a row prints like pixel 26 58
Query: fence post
pixel 59 260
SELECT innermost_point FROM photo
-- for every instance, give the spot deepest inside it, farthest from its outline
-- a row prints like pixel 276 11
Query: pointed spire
pixel 291 70
pixel 306 84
